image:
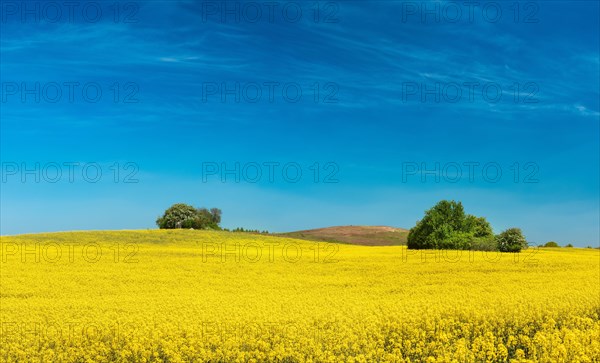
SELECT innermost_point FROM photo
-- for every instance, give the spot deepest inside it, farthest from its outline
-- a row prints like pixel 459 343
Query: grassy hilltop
pixel 188 295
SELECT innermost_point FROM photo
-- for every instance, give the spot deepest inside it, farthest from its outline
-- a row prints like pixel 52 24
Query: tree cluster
pixel 447 226
pixel 182 215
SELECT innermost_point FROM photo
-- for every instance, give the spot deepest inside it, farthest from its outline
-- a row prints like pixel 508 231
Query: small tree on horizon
pixel 176 216
pixel 511 240
pixel 181 215
pixel 447 226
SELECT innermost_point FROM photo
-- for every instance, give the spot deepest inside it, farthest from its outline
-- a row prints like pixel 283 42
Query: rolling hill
pixel 356 235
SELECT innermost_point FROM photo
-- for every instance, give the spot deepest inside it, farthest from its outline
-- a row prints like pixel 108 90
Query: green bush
pixel 569 245
pixel 484 244
pixel 551 244
pixel 457 241
pixel 511 240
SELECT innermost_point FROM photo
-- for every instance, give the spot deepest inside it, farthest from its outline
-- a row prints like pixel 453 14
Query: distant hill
pixel 356 235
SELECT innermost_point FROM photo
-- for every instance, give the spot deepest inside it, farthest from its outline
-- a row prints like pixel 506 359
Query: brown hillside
pixel 357 235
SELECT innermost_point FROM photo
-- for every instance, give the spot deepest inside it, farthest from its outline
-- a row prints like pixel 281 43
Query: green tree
pixel 216 215
pixel 551 244
pixel 203 218
pixel 479 226
pixel 511 240
pixel 179 215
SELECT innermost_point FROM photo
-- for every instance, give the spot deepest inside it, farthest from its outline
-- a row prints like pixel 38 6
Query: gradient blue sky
pixel 368 51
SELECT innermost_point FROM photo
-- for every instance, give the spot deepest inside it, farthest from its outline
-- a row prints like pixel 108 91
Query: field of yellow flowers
pixel 196 296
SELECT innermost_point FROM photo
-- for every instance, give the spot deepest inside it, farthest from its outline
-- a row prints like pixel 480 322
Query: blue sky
pixel 388 75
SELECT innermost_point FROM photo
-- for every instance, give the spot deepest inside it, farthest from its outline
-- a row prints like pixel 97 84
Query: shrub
pixel 511 240
pixel 569 245
pixel 457 240
pixel 484 243
pixel 551 244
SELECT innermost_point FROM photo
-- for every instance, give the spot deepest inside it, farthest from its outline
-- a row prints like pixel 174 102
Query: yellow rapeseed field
pixel 195 296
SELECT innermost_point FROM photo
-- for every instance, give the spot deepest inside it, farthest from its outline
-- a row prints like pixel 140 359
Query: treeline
pixel 554 244
pixel 246 230
pixel 181 215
